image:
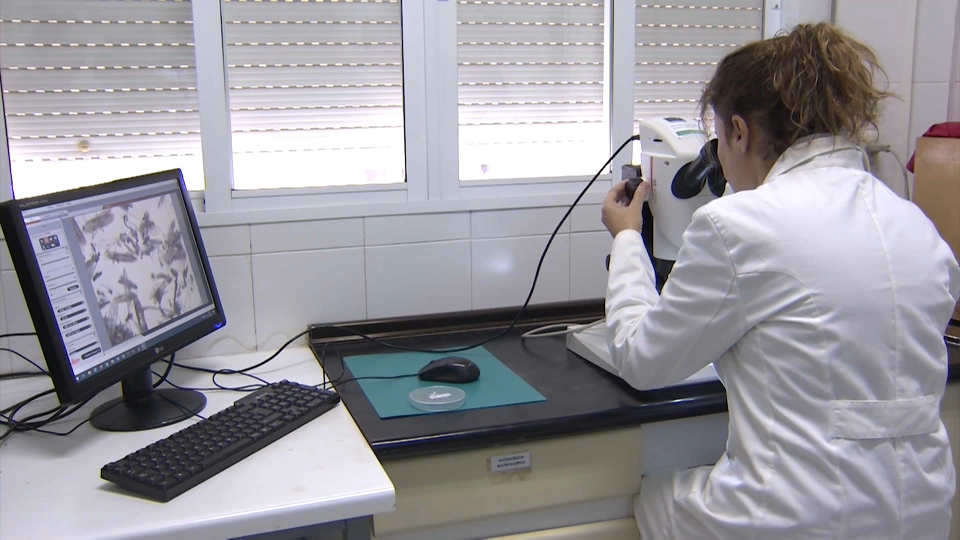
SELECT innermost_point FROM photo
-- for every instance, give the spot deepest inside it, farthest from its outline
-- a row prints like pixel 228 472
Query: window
pixel 316 92
pixel 466 99
pixel 678 48
pixel 530 89
pixel 96 90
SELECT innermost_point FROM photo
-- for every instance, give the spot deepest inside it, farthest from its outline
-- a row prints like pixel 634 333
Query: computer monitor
pixel 115 277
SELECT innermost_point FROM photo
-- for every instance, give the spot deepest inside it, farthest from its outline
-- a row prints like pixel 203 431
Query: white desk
pixel 50 486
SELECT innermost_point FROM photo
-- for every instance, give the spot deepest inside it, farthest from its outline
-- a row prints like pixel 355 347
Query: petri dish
pixel 437 398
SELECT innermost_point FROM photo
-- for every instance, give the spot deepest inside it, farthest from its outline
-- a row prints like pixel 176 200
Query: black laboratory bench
pixel 580 397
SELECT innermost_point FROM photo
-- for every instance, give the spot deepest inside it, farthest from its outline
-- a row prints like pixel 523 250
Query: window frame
pixel 216 135
pixel 431 129
pixel 452 187
pixel 6 178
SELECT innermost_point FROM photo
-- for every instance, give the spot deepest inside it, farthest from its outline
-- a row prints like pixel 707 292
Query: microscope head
pixel 675 156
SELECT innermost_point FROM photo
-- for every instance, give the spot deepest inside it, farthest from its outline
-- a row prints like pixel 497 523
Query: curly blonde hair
pixel 813 80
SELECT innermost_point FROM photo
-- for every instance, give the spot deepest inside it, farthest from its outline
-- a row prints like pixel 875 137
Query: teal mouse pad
pixel 497 386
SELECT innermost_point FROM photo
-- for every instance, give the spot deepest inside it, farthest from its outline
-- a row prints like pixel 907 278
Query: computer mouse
pixel 450 369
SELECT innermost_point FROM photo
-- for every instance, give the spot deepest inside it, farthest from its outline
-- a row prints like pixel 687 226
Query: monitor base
pixel 159 408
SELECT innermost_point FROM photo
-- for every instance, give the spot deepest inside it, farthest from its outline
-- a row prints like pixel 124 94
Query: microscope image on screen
pixel 136 260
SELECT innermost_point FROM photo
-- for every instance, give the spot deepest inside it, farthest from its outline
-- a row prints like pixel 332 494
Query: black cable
pixel 351 379
pixel 532 287
pixel 167 372
pixel 17 406
pixel 39 429
pixel 334 383
pixel 20 375
pixel 516 319
pixel 272 356
pixel 213 379
pixel 17 334
pixel 244 371
pixel 62 411
pixel 6 434
pixel 247 388
pixel 61 434
pixel 182 408
pixel 59 416
pixel 7 420
pixel 65 411
pixel 340 380
pixel 164 379
pixel 59 413
pixel 5 349
pixel 322 362
pixel 54 412
pixel 216 372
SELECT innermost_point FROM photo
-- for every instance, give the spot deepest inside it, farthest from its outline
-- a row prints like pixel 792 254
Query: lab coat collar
pixel 817 151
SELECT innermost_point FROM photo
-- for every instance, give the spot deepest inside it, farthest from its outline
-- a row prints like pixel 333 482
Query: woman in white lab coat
pixel 821 297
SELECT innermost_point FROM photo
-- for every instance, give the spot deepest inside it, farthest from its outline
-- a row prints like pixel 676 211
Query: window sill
pixel 564 198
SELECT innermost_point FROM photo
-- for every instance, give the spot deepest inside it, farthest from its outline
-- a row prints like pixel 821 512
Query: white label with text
pixel 513 462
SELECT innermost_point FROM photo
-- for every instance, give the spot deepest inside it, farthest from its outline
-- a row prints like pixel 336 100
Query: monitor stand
pixel 142 407
pixel 591 345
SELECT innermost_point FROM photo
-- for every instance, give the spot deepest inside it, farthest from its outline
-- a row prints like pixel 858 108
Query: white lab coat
pixel 821 297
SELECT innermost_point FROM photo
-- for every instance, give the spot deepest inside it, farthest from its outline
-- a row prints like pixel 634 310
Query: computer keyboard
pixel 171 466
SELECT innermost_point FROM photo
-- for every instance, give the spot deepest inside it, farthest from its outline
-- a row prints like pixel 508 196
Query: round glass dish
pixel 437 398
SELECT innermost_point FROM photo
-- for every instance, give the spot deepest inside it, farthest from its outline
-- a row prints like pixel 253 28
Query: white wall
pixel 915 40
pixel 274 279
pixel 799 11
pixel 277 278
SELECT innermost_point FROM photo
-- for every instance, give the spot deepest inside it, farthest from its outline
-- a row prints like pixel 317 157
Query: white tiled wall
pixel 388 230
pixel 932 59
pixel 5 361
pixel 275 279
pixel 223 241
pixel 886 27
pixel 5 262
pixel 586 218
pixel 417 279
pixel 589 246
pixel 504 268
pixel 294 288
pixel 233 276
pixel 929 107
pixel 802 11
pixel 519 222
pixel 932 54
pixel 915 41
pixel 15 318
pixel 305 235
pixel 588 275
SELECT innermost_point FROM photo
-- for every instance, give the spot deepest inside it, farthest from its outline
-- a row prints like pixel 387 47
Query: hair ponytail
pixel 812 80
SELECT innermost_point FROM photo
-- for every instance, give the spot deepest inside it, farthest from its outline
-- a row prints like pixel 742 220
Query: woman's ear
pixel 740 134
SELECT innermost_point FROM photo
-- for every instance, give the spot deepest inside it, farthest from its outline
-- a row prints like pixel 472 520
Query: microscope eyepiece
pixel 704 170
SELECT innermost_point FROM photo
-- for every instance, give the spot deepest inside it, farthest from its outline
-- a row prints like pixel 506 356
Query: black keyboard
pixel 171 466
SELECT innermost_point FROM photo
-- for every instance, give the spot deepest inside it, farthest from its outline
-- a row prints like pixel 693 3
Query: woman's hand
pixel 617 216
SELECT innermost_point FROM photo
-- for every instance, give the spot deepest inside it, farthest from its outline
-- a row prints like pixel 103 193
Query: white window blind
pixel 96 90
pixel 679 46
pixel 530 88
pixel 316 92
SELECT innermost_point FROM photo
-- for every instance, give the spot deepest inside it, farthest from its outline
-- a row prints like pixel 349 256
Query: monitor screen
pixel 115 277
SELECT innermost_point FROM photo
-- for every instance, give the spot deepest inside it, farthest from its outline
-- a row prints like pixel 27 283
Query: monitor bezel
pixel 68 389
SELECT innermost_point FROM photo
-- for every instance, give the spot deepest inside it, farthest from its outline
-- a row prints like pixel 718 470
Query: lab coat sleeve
pixel 658 340
pixel 954 281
